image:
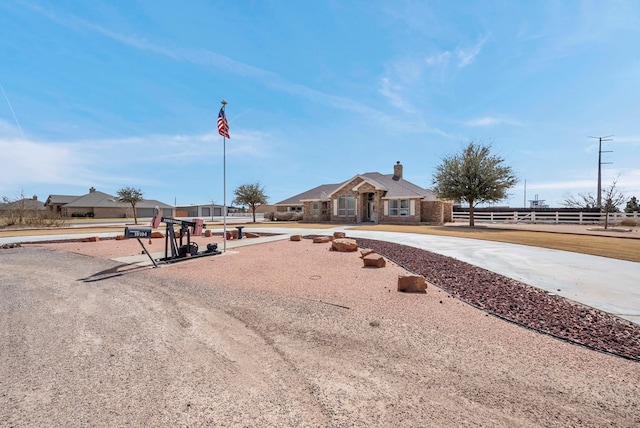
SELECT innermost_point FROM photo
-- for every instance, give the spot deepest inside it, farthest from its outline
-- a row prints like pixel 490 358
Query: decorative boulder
pixel 410 283
pixel 296 238
pixel 251 235
pixel 344 245
pixel 157 235
pixel 207 233
pixel 365 251
pixel 321 239
pixel 339 235
pixel 119 237
pixel 374 260
pixel 91 239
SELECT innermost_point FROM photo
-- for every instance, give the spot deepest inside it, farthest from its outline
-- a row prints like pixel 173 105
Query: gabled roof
pixel 320 193
pixel 394 188
pixel 60 199
pixel 26 204
pixel 399 187
pixel 99 199
pixel 95 199
pixel 152 203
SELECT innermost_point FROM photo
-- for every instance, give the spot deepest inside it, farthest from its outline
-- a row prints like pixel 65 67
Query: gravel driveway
pixel 281 334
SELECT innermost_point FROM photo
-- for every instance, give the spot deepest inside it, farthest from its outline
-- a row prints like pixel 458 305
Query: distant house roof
pixel 152 203
pixel 60 199
pixel 97 199
pixel 23 204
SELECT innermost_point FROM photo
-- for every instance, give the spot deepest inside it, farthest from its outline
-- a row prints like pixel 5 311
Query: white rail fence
pixel 549 217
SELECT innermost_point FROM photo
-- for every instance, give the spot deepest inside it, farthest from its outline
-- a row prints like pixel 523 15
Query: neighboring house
pixel 370 197
pixel 25 204
pixel 201 211
pixel 102 205
pixel 55 203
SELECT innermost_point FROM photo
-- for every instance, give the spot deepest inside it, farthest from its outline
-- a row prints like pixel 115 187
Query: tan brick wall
pixel 437 212
pixel 344 191
pixel 403 219
pixel 113 212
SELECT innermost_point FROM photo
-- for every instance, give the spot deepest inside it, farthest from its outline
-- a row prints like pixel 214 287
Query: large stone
pixel 157 234
pixel 339 235
pixel 296 238
pixel 411 283
pixel 250 235
pixel 374 260
pixel 207 233
pixel 321 239
pixel 344 245
pixel 91 239
pixel 365 252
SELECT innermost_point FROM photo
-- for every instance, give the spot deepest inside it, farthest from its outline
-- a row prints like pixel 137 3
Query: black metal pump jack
pixel 175 244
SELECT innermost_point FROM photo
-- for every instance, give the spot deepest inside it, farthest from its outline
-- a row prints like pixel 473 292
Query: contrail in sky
pixel 12 112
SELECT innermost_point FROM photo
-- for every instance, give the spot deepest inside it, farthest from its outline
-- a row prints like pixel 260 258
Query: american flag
pixel 223 125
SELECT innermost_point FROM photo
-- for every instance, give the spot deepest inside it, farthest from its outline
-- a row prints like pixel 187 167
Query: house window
pixel 398 207
pixel 314 208
pixel 346 205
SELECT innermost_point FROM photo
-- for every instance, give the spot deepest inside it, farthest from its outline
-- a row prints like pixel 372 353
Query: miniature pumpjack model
pixel 174 241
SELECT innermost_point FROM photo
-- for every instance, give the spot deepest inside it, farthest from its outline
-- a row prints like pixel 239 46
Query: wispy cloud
pixel 63 165
pixel 491 121
pixel 439 59
pixel 204 57
pixel 393 92
pixel 109 161
pixel 467 56
pixel 464 56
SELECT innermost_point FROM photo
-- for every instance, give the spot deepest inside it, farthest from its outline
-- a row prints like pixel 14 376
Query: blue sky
pixel 113 94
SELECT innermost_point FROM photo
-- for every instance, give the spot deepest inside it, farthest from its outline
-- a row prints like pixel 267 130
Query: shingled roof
pixel 394 186
pixel 320 193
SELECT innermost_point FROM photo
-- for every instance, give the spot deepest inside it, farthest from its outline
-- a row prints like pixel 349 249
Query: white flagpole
pixel 224 186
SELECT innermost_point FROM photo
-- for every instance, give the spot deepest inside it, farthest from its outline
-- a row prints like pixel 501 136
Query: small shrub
pixel 629 222
pixel 288 216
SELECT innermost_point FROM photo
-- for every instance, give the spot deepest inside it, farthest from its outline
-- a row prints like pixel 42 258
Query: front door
pixel 371 211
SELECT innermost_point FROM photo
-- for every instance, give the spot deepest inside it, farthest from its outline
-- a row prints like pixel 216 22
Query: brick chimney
pixel 92 189
pixel 397 171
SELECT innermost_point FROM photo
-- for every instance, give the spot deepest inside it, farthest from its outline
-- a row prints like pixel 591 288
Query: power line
pixel 600 140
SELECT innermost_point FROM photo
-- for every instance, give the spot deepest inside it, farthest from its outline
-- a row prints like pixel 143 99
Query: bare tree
pixel 581 201
pixel 130 196
pixel 611 198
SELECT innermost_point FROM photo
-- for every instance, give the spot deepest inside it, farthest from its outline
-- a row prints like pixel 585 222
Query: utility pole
pixel 600 152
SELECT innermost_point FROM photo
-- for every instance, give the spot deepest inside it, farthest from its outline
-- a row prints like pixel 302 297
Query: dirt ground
pixel 280 334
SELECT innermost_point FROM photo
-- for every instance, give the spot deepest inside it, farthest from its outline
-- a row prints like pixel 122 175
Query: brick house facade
pixel 371 197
